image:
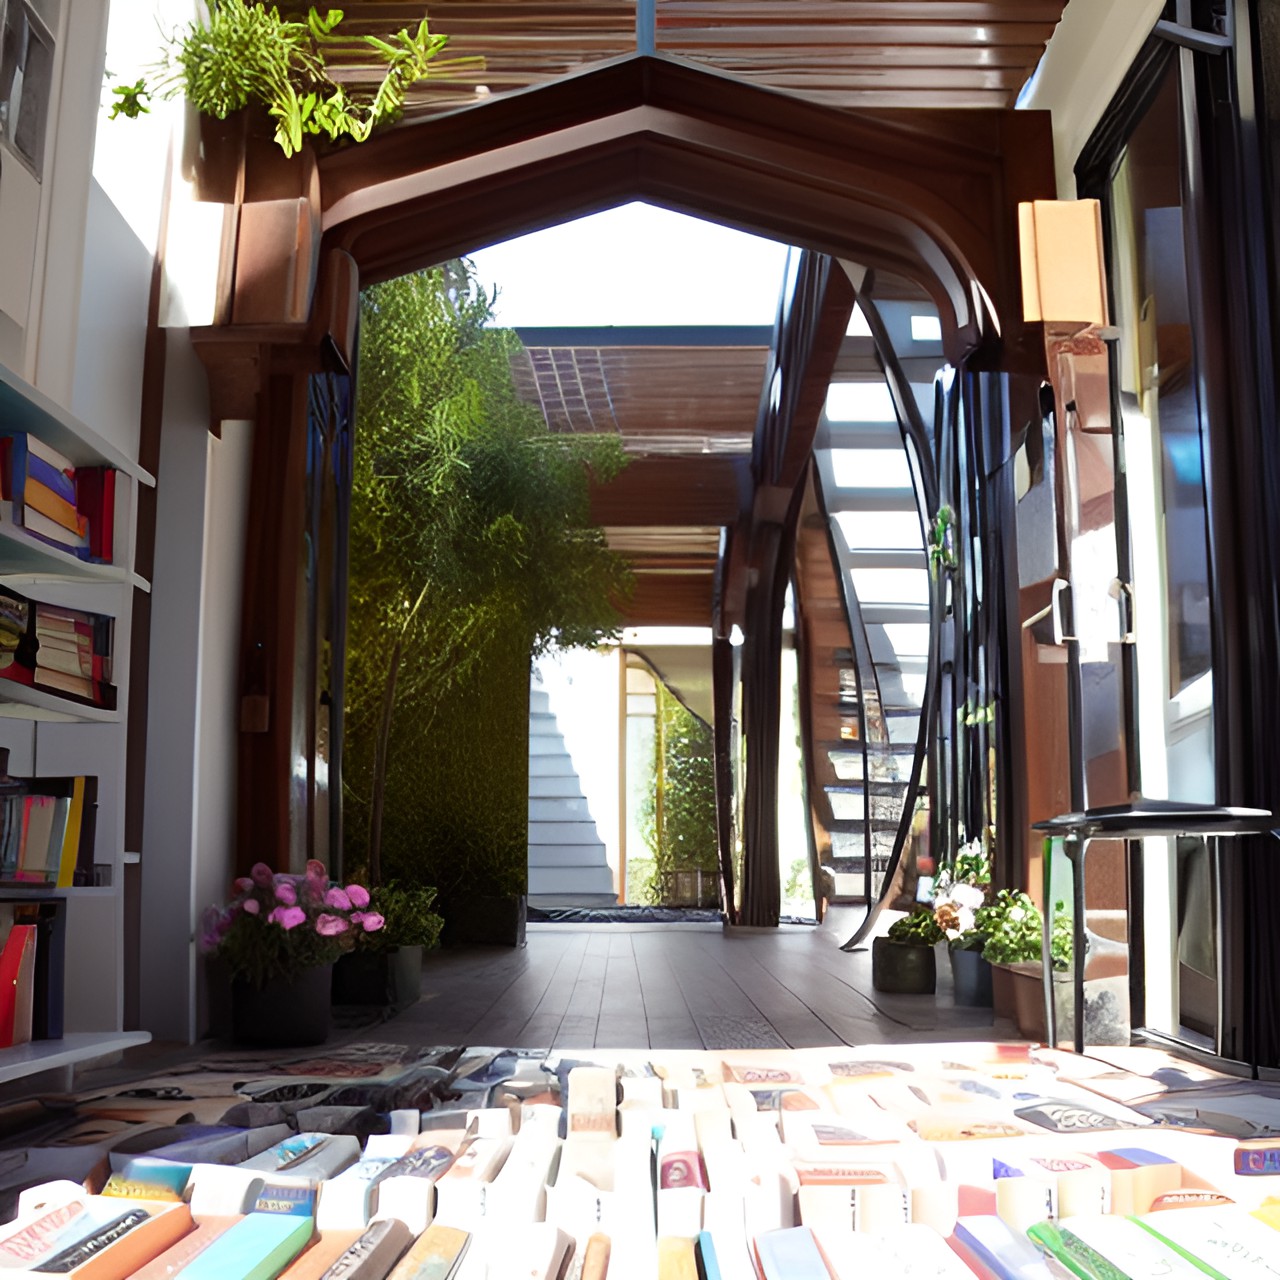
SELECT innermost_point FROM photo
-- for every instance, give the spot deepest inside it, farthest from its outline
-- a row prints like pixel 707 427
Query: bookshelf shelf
pixel 23 702
pixel 23 408
pixel 24 557
pixel 47 1055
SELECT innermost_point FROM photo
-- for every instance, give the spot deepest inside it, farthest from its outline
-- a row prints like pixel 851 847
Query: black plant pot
pixel 485 921
pixel 390 978
pixel 972 977
pixel 903 969
pixel 283 1013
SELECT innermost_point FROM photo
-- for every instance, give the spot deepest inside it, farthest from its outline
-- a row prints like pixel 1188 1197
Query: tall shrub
pixel 472 551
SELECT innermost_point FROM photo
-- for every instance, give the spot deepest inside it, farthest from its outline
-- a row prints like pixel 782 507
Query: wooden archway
pixel 930 196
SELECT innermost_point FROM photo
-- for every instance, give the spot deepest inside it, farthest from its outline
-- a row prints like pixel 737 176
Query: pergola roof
pixel 846 53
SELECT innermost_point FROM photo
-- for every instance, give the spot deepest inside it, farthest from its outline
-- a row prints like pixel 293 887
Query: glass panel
pixel 1165 466
pixel 891 586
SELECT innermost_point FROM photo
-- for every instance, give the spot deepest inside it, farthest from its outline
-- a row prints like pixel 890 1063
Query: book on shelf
pixel 48 918
pixel 47 830
pixel 67 651
pixel 17 985
pixel 52 501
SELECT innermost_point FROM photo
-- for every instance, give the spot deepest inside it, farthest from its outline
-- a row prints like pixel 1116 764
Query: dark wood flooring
pixel 674 987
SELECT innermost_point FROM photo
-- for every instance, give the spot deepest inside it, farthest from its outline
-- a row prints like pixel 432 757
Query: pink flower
pixel 262 875
pixel 317 870
pixel 243 885
pixel 330 926
pixel 337 899
pixel 252 906
pixel 286 893
pixel 287 917
pixel 359 895
pixel 371 921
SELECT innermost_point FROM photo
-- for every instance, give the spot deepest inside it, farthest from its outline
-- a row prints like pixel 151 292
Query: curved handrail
pixel 915 438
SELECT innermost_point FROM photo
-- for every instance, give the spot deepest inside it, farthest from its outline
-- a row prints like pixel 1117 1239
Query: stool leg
pixel 1074 847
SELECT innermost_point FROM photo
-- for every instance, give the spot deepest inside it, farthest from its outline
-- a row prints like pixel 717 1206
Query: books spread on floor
pixel 686 1166
pixel 67 652
pixel 47 499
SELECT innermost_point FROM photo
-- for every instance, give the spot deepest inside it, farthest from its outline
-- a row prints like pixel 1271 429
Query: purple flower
pixel 210 934
pixel 252 906
pixel 262 875
pixel 359 895
pixel 287 917
pixel 371 921
pixel 337 899
pixel 243 885
pixel 330 926
pixel 286 893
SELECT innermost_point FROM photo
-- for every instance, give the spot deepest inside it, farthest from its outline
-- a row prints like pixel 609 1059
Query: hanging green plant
pixel 245 53
pixel 941 549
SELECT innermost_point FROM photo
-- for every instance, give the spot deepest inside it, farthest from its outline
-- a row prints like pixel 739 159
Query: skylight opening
pixel 858 326
pixel 908 639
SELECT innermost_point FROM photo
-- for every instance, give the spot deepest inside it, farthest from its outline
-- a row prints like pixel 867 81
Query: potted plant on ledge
pixel 902 962
pixel 1015 947
pixel 278 939
pixel 385 967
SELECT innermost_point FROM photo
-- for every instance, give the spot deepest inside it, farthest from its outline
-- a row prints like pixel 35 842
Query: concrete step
pixel 558 765
pixel 539 701
pixel 573 881
pixel 566 788
pixel 559 809
pixel 546 900
pixel 546 744
pixel 542 724
pixel 581 832
pixel 586 856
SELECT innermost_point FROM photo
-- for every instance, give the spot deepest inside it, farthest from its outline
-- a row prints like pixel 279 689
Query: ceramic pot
pixel 971 975
pixel 391 978
pixel 900 968
pixel 283 1012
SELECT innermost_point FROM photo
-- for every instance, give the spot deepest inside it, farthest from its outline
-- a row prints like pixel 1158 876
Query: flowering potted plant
pixel 1015 947
pixel 902 962
pixel 279 937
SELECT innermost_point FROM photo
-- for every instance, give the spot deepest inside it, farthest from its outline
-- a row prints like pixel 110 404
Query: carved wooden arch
pixel 927 195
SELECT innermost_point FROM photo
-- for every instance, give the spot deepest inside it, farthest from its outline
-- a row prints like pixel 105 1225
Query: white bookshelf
pixel 49 735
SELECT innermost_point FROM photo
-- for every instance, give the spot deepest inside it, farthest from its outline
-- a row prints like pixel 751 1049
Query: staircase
pixel 567 863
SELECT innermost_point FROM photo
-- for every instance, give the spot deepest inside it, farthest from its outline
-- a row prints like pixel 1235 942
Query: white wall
pixel 1091 49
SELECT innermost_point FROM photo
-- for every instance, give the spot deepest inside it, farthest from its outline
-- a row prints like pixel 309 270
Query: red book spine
pixel 107 520
pixel 21 936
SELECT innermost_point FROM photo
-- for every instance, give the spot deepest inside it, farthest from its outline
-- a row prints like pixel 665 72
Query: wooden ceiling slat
pixel 867 54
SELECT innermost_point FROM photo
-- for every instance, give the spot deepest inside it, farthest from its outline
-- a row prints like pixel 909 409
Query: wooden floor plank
pixel 677 987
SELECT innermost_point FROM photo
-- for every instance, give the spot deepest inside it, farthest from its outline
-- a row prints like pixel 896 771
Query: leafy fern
pixel 245 53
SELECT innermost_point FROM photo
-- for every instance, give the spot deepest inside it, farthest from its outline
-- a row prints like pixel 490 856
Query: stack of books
pixel 67 651
pixel 50 500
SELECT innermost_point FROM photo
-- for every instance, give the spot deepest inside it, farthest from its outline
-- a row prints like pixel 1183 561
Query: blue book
pixel 258 1247
pixel 49 476
pixel 999 1250
pixel 708 1266
pixel 790 1254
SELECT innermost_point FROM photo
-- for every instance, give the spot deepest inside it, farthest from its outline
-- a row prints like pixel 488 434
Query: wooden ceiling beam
pixel 703 489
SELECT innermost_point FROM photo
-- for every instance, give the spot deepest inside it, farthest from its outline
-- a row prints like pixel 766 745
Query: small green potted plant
pixel 385 968
pixel 902 961
pixel 1015 947
pixel 278 939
